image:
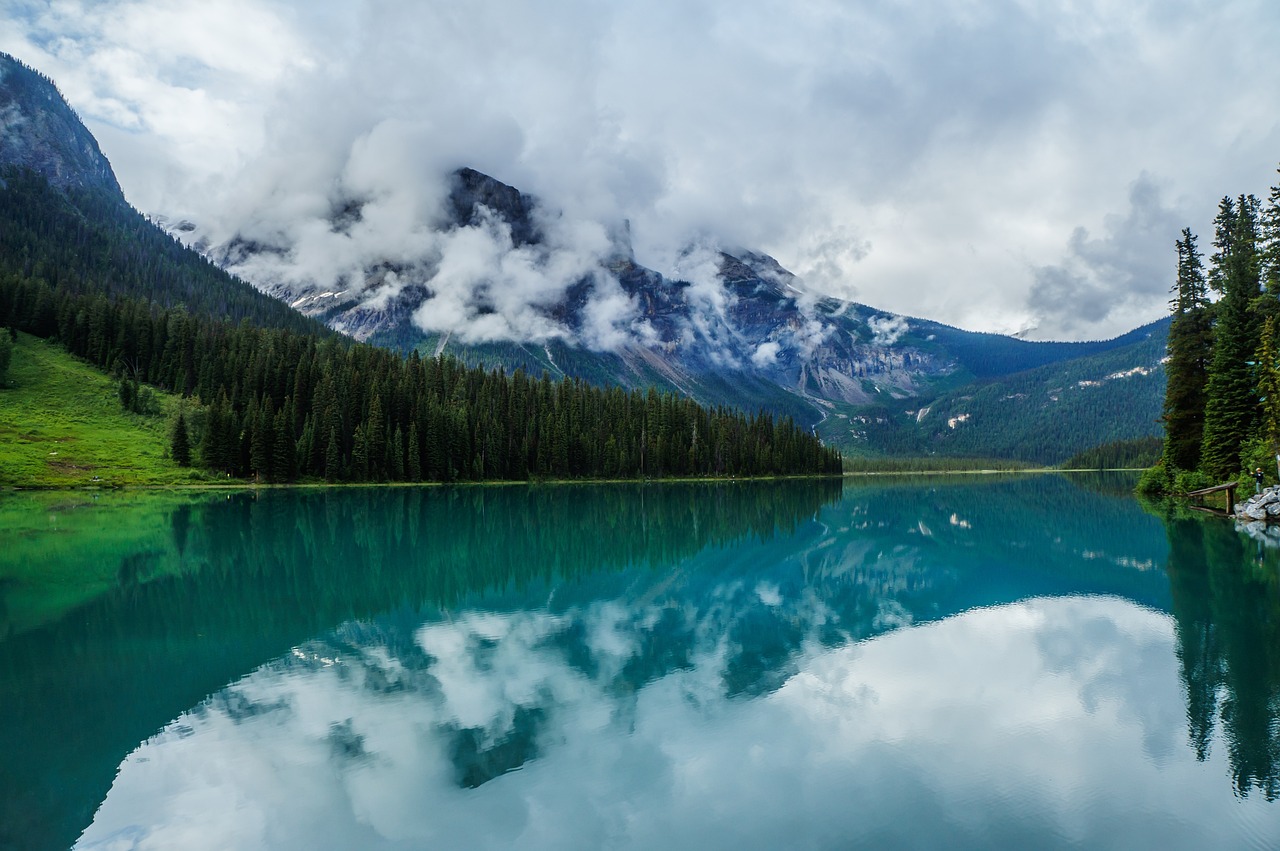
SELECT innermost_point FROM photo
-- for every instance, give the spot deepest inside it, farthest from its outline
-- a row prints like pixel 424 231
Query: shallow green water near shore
pixel 1024 661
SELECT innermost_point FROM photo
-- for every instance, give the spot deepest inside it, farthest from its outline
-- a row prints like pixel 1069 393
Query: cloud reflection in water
pixel 1051 721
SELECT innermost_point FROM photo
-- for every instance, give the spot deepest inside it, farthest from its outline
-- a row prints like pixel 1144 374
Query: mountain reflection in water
pixel 683 665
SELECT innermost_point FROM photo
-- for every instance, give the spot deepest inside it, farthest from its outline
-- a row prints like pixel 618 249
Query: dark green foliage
pixel 180 442
pixel 1118 455
pixel 1155 480
pixel 1231 404
pixel 1224 595
pixel 1268 369
pixel 137 398
pixel 1190 347
pixel 90 241
pixel 461 423
pixel 6 354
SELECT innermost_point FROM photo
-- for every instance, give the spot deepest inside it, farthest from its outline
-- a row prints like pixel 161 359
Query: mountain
pixel 64 220
pixel 729 327
pixel 739 330
pixel 279 397
pixel 1043 415
pixel 40 131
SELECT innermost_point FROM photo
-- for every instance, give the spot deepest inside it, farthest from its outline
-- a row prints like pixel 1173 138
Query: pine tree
pixel 397 455
pixel 332 458
pixel 1269 385
pixel 360 454
pixel 1190 338
pixel 414 454
pixel 180 442
pixel 376 440
pixel 283 448
pixel 1231 404
pixel 1269 244
pixel 6 354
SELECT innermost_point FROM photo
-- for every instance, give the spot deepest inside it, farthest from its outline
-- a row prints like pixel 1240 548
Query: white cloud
pixel 930 159
pixel 887 330
pixel 766 354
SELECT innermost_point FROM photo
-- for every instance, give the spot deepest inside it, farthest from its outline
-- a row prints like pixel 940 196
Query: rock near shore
pixel 1264 507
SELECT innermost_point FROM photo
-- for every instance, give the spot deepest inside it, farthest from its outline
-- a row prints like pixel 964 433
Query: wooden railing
pixel 1229 487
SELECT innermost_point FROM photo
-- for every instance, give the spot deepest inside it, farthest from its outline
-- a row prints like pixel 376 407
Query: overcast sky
pixel 1000 165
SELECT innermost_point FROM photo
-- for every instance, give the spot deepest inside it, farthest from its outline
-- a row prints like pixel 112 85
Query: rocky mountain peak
pixel 39 130
pixel 473 192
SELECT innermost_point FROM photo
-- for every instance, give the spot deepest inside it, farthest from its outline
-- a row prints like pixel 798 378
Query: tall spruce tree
pixel 1190 339
pixel 180 442
pixel 1269 384
pixel 1269 252
pixel 1231 404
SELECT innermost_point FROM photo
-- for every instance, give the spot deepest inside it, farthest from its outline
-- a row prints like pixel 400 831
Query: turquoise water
pixel 960 662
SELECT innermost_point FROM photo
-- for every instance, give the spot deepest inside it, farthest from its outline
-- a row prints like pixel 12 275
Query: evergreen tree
pixel 180 442
pixel 414 454
pixel 1269 244
pixel 283 448
pixel 332 458
pixel 1269 385
pixel 6 354
pixel 1231 404
pixel 397 456
pixel 1190 338
pixel 375 433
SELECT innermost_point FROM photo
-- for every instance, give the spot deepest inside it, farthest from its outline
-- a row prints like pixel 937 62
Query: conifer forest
pixel 1222 402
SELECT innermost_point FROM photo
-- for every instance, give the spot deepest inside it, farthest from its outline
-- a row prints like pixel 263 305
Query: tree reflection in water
pixel 1226 604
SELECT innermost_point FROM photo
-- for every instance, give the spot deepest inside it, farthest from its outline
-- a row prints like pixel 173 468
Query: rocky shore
pixel 1259 516
pixel 1263 507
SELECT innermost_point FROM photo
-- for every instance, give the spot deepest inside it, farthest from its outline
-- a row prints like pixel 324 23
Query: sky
pixel 1020 166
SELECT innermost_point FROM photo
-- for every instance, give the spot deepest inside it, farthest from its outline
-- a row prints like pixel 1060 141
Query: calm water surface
pixel 1025 662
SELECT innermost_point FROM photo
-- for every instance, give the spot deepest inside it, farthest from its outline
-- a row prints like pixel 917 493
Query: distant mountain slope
pixel 1043 415
pixel 741 331
pixel 63 218
pixel 992 355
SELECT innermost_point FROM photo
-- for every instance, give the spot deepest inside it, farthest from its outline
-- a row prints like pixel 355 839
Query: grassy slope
pixel 61 424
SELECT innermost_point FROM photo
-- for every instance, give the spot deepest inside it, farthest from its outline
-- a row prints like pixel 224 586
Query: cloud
pixel 931 159
pixel 887 330
pixel 766 354
pixel 1131 263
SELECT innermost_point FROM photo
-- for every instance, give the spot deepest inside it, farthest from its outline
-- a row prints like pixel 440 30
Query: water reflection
pixel 634 666
pixel 1227 603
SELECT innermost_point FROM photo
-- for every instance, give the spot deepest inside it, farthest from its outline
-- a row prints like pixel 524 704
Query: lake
pixel 959 662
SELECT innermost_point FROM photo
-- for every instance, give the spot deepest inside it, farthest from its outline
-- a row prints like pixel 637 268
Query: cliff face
pixel 39 130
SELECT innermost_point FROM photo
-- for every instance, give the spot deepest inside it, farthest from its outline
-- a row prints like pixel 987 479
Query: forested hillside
pixel 1222 404
pixel 278 396
pixel 1042 415
pixel 278 405
pixel 88 240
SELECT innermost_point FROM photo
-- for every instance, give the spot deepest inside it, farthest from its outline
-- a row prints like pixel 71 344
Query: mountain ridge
pixel 727 327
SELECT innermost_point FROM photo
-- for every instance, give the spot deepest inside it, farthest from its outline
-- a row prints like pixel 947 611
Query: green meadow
pixel 62 425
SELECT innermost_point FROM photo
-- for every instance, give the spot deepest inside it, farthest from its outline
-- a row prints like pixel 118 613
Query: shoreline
pixel 238 485
pixel 246 485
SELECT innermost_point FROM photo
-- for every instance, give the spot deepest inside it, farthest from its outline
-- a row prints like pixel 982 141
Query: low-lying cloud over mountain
pixel 975 165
